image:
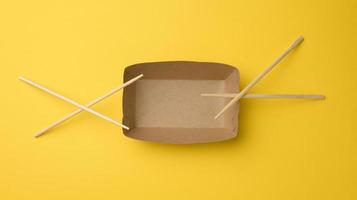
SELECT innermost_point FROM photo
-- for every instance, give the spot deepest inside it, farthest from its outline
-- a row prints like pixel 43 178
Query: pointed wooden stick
pixel 73 102
pixel 260 76
pixel 266 96
pixel 95 101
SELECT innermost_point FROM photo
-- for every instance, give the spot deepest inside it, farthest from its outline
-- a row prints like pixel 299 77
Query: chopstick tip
pixel 301 38
pixel 298 41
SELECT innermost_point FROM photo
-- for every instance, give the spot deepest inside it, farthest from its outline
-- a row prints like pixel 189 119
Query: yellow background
pixel 286 149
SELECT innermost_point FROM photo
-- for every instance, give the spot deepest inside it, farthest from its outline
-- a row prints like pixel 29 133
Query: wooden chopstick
pixel 260 76
pixel 95 101
pixel 72 102
pixel 266 96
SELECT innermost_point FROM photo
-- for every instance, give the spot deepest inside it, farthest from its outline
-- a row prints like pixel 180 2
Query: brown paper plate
pixel 166 105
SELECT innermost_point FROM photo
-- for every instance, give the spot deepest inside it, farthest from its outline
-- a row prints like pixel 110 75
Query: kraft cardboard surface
pixel 166 104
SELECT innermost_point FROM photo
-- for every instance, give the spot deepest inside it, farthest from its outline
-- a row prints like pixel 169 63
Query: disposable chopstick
pixel 72 102
pixel 260 76
pixel 95 101
pixel 266 96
